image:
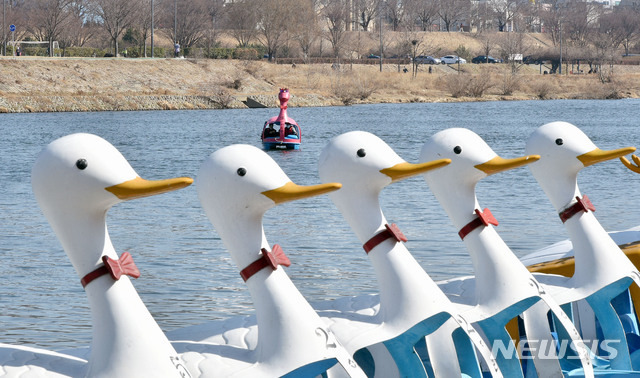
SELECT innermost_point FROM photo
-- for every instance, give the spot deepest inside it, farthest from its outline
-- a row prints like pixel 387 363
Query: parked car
pixel 372 56
pixel 452 59
pixel 485 59
pixel 427 59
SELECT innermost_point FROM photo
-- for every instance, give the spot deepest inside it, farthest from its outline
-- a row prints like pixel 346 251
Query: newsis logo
pixel 552 349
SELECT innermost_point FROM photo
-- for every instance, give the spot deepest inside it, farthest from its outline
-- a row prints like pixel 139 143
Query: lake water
pixel 187 275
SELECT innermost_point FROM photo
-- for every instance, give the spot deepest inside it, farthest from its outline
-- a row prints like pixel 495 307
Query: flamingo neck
pixel 282 116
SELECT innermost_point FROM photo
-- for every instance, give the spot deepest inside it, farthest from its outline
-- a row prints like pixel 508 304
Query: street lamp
pixel 380 11
pixel 560 48
pixel 4 30
pixel 152 26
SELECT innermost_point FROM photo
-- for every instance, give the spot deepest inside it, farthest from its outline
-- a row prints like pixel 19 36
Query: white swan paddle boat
pixel 410 304
pixel 76 179
pixel 502 288
pixel 236 185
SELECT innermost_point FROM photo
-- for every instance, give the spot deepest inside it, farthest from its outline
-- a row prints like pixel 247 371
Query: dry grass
pixel 124 83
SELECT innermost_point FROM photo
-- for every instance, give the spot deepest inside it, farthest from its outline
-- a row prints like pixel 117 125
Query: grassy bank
pixel 94 84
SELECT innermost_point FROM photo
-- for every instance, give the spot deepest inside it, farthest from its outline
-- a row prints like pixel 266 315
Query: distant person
pixel 176 49
pixel 270 132
pixel 18 51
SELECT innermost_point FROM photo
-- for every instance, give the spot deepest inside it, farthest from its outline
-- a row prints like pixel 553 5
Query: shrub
pixel 478 85
pixel 363 87
pixel 510 83
pixel 218 53
pixel 245 54
pixel 234 84
pixel 350 88
pixel 456 85
pixel 221 98
pixel 542 89
pixel 463 52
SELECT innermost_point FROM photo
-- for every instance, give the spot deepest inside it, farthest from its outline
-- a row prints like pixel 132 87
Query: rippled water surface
pixel 188 276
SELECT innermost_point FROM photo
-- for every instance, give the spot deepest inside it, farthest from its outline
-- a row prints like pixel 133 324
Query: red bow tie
pixel 115 268
pixel 392 231
pixel 583 204
pixel 268 259
pixel 485 218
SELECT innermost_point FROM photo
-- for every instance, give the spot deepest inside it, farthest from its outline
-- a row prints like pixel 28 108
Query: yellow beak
pixel 405 170
pixel 598 155
pixel 139 187
pixel 498 164
pixel 291 192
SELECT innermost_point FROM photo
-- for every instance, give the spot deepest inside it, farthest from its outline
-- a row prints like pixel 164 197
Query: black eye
pixel 457 150
pixel 362 152
pixel 81 164
pixel 559 141
pixel 242 171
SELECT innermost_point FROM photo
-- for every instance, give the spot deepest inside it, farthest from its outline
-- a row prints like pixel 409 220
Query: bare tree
pixel 335 14
pixel 48 18
pixel 217 12
pixel 242 19
pixel 144 23
pixel 190 19
pixel 452 11
pixel 489 40
pixel 552 17
pixel 422 12
pixel 80 28
pixel 622 26
pixel 512 45
pixel 367 11
pixel 116 16
pixel 504 11
pixel 16 13
pixel 395 12
pixel 306 29
pixel 529 17
pixel 273 24
pixel 580 21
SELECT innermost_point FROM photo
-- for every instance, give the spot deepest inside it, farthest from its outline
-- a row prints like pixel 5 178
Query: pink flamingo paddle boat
pixel 281 132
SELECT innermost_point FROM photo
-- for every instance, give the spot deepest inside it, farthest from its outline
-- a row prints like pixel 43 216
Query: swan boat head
pixel 236 185
pixel 565 150
pixel 76 179
pixel 500 279
pixel 364 164
pixel 471 160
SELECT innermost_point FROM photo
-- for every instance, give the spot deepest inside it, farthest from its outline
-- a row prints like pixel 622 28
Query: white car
pixel 427 59
pixel 452 59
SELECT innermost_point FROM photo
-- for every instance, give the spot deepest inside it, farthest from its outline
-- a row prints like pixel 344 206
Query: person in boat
pixel 291 130
pixel 270 132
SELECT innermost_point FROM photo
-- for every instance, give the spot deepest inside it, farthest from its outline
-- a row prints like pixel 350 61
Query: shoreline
pixel 122 84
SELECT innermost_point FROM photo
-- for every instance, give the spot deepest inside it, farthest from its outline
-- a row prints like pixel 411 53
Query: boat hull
pixel 281 145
